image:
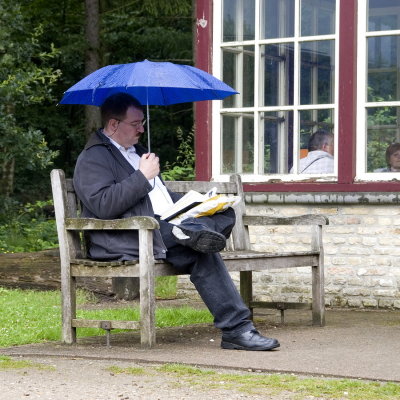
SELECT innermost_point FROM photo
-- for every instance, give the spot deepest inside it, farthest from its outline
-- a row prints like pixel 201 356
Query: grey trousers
pixel 210 277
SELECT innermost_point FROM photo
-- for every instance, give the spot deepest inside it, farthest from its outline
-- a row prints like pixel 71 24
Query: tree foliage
pixel 26 78
pixel 42 54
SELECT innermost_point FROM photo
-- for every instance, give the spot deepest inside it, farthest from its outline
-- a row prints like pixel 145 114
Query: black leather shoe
pixel 250 340
pixel 199 237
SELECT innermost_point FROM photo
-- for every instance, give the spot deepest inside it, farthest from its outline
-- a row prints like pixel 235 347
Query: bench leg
pixel 147 296
pixel 246 289
pixel 68 305
pixel 318 298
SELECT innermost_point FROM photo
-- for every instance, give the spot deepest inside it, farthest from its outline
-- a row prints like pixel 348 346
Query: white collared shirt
pixel 159 196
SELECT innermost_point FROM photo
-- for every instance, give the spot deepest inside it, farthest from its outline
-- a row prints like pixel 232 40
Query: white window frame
pixel 217 106
pixel 362 103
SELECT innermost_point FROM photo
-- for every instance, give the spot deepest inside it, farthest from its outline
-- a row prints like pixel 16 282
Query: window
pixel 378 124
pixel 281 56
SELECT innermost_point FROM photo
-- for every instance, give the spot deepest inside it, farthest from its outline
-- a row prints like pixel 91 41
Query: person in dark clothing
pixel 115 177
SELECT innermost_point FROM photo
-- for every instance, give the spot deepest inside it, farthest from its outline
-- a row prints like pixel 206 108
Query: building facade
pixel 301 66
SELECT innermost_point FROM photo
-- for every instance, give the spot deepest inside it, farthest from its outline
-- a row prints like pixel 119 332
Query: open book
pixel 188 201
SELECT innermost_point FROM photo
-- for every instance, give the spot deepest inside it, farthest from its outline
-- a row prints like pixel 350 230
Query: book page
pixel 190 199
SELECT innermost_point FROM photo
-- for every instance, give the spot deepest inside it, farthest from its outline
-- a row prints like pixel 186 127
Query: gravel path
pixel 82 379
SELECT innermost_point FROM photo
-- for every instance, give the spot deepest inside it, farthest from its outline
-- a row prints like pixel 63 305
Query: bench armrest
pixel 80 224
pixel 255 220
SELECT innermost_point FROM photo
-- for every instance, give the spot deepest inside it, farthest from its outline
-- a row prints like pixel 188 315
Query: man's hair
pixel 391 150
pixel 319 138
pixel 116 106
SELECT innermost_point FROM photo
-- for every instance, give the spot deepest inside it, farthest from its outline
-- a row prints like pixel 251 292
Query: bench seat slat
pixel 261 264
pixel 226 255
pixel 252 255
pixel 244 261
pixel 114 324
pixel 260 220
pixel 122 271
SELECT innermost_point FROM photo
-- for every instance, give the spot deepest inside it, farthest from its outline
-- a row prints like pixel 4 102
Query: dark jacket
pixel 110 188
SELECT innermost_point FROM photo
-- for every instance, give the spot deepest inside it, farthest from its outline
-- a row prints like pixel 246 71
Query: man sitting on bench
pixel 115 177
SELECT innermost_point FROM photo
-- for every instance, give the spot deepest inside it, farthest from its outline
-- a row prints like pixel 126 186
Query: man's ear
pixel 112 124
pixel 325 147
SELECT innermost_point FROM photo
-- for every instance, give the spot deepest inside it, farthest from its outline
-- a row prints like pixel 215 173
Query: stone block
pixel 369 241
pixel 370 303
pixel 396 304
pixel 385 221
pixel 356 210
pixel 386 282
pixel 357 303
pixel 371 271
pixel 385 303
pixel 359 291
pixel 384 293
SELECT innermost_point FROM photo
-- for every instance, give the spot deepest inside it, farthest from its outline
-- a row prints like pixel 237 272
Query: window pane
pixel 278 141
pixel 278 65
pixel 277 19
pixel 383 129
pixel 317 72
pixel 229 75
pixel 383 15
pixel 310 122
pixel 248 145
pixel 383 68
pixel 317 17
pixel 238 72
pixel 237 143
pixel 238 20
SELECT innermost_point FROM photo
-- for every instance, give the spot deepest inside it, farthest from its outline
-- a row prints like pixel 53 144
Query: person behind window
pixel 392 159
pixel 319 159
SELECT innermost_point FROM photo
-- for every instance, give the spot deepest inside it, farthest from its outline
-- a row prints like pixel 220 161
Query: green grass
pixel 29 316
pixel 9 363
pixel 129 370
pixel 293 386
pixel 175 316
pixel 166 287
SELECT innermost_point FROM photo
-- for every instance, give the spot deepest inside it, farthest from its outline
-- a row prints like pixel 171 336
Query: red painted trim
pixel 347 91
pixel 323 187
pixel 203 60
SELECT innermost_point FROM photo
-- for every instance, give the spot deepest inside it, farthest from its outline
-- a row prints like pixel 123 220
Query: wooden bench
pixel 238 256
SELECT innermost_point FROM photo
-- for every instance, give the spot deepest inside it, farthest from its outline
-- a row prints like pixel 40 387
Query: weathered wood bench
pixel 238 256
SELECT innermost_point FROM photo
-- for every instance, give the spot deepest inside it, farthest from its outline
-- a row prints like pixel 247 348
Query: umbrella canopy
pixel 152 83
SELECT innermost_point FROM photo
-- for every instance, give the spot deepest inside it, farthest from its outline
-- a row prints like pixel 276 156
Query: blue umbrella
pixel 152 83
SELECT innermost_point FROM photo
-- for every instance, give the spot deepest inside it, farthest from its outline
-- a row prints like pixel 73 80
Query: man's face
pixel 127 131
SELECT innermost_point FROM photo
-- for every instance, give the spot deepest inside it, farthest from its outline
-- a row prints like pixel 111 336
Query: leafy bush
pixel 183 168
pixel 27 227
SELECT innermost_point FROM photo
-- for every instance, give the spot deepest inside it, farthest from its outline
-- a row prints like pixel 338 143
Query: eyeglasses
pixel 134 124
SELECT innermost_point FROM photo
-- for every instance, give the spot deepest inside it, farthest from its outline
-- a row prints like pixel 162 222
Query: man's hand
pixel 149 165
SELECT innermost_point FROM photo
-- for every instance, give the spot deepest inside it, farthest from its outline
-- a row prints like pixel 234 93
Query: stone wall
pixel 361 248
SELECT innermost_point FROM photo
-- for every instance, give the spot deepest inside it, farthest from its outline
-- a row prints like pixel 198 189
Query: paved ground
pixel 353 344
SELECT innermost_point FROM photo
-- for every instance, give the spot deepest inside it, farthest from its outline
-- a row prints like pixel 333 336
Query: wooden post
pixel 147 296
pixel 67 283
pixel 318 302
